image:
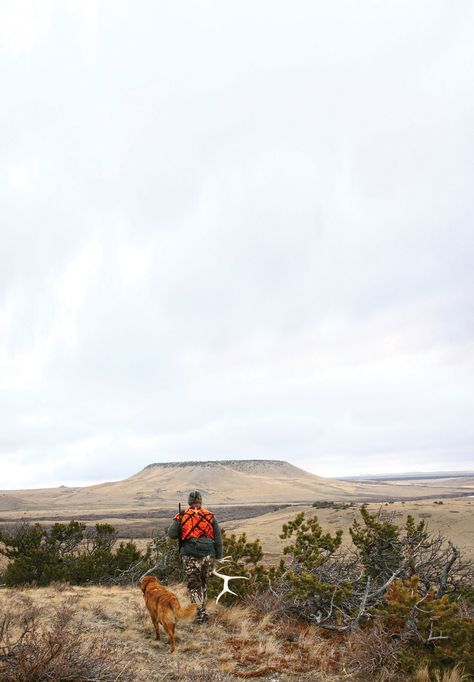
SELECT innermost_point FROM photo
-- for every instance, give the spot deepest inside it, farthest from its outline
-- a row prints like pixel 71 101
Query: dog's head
pixel 148 580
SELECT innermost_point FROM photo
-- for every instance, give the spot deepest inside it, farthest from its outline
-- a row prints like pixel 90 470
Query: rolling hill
pixel 226 482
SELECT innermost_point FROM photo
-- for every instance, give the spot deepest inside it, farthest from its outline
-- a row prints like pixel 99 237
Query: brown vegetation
pixel 100 633
pixel 458 527
pixel 104 633
pixel 222 483
pixel 397 598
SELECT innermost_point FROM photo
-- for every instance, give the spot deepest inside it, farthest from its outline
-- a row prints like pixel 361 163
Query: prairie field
pixel 104 634
pixel 111 624
pixel 454 519
pixel 451 517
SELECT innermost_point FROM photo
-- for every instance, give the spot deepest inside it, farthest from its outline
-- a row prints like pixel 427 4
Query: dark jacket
pixel 198 547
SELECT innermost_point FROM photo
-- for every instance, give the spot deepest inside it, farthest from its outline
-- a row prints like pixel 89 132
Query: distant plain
pixel 251 496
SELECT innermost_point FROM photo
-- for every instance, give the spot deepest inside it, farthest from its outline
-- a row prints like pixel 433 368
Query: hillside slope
pixel 221 482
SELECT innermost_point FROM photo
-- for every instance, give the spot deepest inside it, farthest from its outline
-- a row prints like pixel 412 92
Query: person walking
pixel 200 537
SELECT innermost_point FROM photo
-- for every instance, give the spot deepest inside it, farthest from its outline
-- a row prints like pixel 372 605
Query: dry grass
pixel 454 675
pixel 452 519
pixel 458 527
pixel 36 646
pixel 106 633
pixel 112 623
pixel 372 653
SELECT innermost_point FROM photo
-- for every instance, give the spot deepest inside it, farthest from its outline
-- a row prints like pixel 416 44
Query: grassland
pixel 454 519
pixel 235 645
pixel 107 632
pixel 104 634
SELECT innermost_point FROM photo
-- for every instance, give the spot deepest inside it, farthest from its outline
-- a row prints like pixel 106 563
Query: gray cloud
pixel 235 231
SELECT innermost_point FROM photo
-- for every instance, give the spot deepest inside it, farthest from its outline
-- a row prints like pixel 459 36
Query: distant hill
pixel 409 476
pixel 165 484
pixel 11 502
pixel 225 482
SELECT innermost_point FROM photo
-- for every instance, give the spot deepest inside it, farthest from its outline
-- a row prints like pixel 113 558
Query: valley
pixel 252 496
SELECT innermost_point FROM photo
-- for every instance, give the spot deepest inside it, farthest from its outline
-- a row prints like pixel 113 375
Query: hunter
pixel 200 536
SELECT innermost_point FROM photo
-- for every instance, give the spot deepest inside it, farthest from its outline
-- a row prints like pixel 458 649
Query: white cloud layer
pixel 235 230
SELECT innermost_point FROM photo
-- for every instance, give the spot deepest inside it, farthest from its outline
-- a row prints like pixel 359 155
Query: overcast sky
pixel 235 230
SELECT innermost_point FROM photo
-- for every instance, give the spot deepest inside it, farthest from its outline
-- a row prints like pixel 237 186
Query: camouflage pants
pixel 196 570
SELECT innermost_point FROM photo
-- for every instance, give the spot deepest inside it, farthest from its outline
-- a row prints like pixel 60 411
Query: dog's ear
pixel 146 581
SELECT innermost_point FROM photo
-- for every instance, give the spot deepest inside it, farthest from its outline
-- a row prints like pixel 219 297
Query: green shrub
pixel 65 552
pixel 436 632
pixel 356 578
pixel 164 557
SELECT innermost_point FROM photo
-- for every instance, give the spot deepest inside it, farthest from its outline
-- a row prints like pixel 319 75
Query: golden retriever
pixel 164 607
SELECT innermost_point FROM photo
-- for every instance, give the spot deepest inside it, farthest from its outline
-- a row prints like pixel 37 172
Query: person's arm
pixel 217 539
pixel 174 530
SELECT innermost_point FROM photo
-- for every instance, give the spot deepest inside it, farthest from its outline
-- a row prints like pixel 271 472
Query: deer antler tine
pixel 225 559
pixel 223 592
pixel 226 579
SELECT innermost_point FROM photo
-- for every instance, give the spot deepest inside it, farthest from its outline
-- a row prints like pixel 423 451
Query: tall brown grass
pixel 34 648
pixel 454 675
pixel 104 634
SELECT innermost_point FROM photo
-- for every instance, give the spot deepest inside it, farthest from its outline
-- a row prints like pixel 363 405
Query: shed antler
pixel 226 579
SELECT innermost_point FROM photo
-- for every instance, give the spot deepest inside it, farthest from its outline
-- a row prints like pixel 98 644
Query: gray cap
pixel 194 497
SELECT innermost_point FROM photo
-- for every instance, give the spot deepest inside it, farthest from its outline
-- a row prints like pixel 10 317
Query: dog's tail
pixel 186 611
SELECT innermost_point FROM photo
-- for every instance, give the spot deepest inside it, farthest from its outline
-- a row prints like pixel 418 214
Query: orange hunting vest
pixel 196 523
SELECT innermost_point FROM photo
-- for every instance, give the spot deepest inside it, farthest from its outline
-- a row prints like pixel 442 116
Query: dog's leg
pixel 169 629
pixel 172 640
pixel 157 629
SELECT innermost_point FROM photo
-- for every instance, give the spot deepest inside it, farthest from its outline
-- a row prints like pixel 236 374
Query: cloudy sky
pixel 235 230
